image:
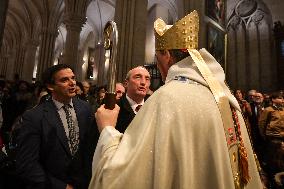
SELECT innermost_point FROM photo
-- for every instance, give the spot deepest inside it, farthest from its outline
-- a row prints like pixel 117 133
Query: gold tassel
pixel 243 156
pixel 243 164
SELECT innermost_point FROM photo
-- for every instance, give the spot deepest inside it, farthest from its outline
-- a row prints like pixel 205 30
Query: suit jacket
pixel 257 140
pixel 126 114
pixel 43 157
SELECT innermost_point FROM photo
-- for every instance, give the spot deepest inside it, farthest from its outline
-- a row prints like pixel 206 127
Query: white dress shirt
pixel 133 104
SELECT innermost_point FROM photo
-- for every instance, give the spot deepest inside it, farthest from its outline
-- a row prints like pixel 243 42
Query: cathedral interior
pixel 245 36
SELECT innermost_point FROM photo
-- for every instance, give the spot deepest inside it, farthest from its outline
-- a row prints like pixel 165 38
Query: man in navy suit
pixel 56 138
pixel 137 84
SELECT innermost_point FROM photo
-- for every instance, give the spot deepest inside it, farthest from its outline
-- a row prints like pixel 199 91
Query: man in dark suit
pixel 137 84
pixel 87 97
pixel 56 138
pixel 257 140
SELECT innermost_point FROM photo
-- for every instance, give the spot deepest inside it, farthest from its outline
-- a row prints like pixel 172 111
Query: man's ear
pixel 50 87
pixel 125 84
pixel 168 56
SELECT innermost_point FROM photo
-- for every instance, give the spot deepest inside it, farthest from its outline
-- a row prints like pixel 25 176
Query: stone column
pixel 46 50
pixel 4 63
pixel 3 12
pixel 20 56
pixel 131 19
pixel 74 18
pixel 29 63
pixel 79 75
pixel 188 6
pixel 74 25
pixel 10 65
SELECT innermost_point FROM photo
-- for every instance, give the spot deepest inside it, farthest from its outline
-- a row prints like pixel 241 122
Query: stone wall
pixel 251 52
pixel 3 10
pixel 276 8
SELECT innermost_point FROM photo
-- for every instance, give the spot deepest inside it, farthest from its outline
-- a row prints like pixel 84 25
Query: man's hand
pixel 106 117
pixel 69 186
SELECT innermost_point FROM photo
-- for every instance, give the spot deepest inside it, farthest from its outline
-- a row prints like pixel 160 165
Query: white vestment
pixel 176 141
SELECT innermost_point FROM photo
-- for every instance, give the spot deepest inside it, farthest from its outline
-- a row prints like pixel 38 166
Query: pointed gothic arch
pixel 250 47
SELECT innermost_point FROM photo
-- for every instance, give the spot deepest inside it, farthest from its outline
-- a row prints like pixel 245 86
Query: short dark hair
pixel 80 85
pixel 48 74
pixel 276 95
pixel 178 54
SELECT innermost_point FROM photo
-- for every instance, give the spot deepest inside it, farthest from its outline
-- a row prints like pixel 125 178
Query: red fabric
pixel 138 108
pixel 183 50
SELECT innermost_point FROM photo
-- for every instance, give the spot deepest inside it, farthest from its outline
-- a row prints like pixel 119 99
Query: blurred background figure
pixel 271 125
pixel 266 100
pixel 86 96
pixel 120 90
pixel 250 96
pixel 79 89
pixel 86 93
pixel 256 108
pixel 99 97
pixel 245 106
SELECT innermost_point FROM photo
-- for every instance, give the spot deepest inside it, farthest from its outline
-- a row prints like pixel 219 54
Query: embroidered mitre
pixel 182 35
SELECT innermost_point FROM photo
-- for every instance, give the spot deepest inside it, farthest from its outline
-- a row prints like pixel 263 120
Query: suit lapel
pixel 53 119
pixel 126 105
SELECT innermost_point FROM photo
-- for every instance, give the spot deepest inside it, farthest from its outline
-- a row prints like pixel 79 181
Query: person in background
pixel 244 105
pixel 250 95
pixel 256 108
pixel 101 94
pixel 271 126
pixel 120 91
pixel 79 89
pixel 86 93
pixel 267 100
pixel 99 97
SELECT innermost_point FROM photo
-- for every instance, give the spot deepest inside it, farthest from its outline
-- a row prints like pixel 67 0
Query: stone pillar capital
pixel 74 21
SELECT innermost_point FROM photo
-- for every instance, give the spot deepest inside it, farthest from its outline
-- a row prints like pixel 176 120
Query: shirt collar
pixel 132 103
pixel 59 105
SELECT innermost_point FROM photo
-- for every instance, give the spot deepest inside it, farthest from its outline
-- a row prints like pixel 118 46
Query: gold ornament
pixel 182 35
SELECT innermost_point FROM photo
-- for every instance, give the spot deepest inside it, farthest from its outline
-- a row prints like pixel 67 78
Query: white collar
pixel 60 104
pixel 133 104
pixel 187 68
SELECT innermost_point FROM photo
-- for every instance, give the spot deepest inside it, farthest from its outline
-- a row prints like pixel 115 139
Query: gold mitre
pixel 182 35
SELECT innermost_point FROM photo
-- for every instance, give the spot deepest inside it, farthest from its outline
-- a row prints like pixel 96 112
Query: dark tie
pixel 73 136
pixel 138 107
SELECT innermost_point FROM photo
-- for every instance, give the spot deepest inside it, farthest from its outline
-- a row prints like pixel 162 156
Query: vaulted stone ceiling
pixel 36 31
pixel 26 19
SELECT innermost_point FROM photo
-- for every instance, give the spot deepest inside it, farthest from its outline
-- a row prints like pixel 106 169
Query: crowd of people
pixel 264 115
pixel 190 133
